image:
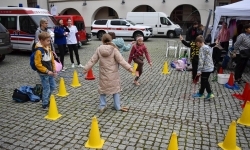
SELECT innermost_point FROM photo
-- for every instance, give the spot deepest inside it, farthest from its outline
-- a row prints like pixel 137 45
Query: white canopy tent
pixel 238 10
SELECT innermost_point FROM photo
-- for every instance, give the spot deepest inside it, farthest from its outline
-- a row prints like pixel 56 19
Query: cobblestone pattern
pixel 161 105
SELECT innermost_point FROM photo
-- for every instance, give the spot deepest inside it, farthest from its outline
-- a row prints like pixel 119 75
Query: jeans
pixel 73 47
pixel 116 98
pixel 205 83
pixel 49 85
pixel 62 50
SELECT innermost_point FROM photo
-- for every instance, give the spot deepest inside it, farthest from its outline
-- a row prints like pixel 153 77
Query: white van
pixel 22 24
pixel 159 21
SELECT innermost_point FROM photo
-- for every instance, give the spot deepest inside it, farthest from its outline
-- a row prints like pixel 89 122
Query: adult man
pixel 43 28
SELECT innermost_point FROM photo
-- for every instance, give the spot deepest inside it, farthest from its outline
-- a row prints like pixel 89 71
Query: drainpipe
pixel 48 5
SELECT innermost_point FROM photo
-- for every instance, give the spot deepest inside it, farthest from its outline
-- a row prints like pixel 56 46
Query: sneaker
pixel 73 65
pixel 80 66
pixel 103 109
pixel 209 96
pixel 45 107
pixel 198 95
pixel 64 68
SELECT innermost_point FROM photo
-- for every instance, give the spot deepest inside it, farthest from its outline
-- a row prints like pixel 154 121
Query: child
pixel 205 67
pixel 136 54
pixel 45 65
pixel 109 78
pixel 194 54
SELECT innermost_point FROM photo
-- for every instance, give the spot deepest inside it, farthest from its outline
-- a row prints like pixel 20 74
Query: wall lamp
pixel 84 3
pixel 123 2
pixel 163 1
pixel 206 1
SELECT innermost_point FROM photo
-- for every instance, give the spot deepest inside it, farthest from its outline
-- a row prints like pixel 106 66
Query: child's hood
pixel 106 50
pixel 38 44
pixel 119 42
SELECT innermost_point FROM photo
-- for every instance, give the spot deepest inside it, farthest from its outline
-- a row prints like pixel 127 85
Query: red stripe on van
pixel 22 12
pixel 130 29
pixel 21 39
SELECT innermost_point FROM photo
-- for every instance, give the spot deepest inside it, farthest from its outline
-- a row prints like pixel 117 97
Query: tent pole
pixel 208 20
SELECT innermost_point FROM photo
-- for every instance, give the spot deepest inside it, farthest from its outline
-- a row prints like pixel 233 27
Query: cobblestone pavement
pixel 161 105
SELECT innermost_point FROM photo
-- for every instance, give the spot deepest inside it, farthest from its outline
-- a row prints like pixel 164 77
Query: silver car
pixel 5 44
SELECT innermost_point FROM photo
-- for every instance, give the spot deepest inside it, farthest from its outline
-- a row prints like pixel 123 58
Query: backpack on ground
pixel 32 58
pixel 38 90
pixel 20 97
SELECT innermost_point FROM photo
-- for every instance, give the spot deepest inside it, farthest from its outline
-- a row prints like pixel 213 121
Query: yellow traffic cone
pixel 53 112
pixel 245 117
pixel 165 68
pixel 229 142
pixel 75 81
pixel 94 140
pixel 62 90
pixel 134 68
pixel 173 144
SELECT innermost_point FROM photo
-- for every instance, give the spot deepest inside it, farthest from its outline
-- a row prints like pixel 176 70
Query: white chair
pixel 183 48
pixel 172 45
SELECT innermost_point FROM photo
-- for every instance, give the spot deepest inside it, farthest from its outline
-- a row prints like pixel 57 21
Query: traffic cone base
pixel 90 75
pixel 173 144
pixel 75 81
pixel 165 68
pixel 53 112
pixel 224 148
pixel 62 89
pixel 245 117
pixel 87 145
pixel 245 95
pixel 229 142
pixel 94 140
pixel 134 68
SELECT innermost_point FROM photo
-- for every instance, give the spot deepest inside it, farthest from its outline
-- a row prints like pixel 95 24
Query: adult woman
pixel 242 45
pixel 61 33
pixel 224 37
pixel 72 44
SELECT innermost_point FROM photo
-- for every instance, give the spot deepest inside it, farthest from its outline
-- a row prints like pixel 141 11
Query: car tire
pixel 2 57
pixel 171 34
pixel 100 34
pixel 145 39
pixel 137 34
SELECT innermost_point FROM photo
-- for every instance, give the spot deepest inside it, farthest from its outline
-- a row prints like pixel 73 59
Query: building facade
pixel 25 3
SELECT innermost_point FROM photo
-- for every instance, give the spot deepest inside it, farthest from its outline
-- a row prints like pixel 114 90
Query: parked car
pixel 121 28
pixel 5 44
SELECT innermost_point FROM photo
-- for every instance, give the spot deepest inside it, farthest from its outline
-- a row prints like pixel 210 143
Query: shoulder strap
pixel 41 49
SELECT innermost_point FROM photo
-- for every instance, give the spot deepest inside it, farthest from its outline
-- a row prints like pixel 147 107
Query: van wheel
pixel 171 34
pixel 2 57
pixel 145 39
pixel 100 34
pixel 137 34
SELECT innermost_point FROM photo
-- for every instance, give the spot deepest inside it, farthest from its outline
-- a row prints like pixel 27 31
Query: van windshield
pixel 171 20
pixel 51 20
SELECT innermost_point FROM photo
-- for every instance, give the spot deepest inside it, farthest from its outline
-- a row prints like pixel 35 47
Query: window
pixel 9 22
pixel 164 21
pixel 27 24
pixel 51 20
pixel 111 12
pixel 115 23
pixel 223 3
pixel 101 22
pixel 2 28
pixel 32 3
pixel 123 23
pixel 79 25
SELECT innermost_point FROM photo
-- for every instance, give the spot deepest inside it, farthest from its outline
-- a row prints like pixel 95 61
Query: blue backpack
pixel 32 58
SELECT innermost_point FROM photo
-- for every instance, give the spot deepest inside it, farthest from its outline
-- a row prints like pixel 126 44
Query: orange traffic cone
pixel 231 80
pixel 229 142
pixel 90 75
pixel 245 95
pixel 220 71
pixel 245 117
